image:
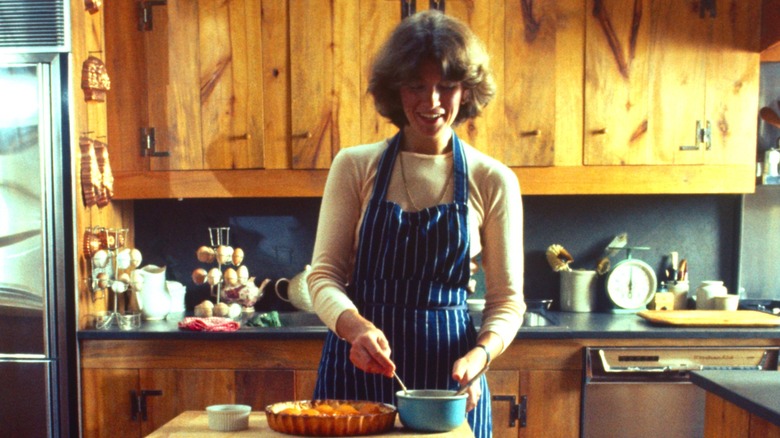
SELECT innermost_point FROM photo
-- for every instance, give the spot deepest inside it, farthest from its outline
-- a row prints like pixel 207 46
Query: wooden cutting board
pixel 709 318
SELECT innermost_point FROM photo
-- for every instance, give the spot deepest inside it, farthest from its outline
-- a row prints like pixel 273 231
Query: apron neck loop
pixel 460 170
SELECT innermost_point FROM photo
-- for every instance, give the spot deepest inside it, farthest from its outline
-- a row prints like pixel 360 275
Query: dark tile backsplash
pixel 278 235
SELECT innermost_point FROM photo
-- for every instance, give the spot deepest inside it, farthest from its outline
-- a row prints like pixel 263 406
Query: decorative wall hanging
pixel 97 179
pixel 94 79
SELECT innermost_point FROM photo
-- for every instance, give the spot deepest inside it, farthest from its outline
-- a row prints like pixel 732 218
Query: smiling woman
pixel 419 208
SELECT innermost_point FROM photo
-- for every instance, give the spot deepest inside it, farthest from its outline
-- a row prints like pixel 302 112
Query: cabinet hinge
pixel 707 6
pixel 436 4
pixel 517 411
pixel 145 13
pixel 149 143
pixel 138 403
pixel 408 7
pixel 704 131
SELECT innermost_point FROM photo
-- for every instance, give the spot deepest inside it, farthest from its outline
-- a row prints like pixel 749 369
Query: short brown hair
pixel 431 35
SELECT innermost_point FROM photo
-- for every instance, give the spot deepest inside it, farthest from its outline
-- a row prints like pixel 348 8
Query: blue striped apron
pixel 410 279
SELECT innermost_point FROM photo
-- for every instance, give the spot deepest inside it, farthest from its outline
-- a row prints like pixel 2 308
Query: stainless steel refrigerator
pixel 38 376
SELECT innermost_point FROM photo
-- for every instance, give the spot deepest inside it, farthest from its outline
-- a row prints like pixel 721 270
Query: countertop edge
pixel 713 382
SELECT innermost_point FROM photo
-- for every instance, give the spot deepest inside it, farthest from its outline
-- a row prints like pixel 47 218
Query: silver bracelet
pixel 487 353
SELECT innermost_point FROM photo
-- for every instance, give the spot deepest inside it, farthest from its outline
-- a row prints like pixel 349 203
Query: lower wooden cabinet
pixel 132 387
pixel 136 402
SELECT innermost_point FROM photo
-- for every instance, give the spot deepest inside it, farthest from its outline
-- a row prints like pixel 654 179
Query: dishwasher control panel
pixel 673 360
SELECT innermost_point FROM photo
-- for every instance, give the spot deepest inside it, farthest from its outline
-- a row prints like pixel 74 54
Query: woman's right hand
pixel 370 350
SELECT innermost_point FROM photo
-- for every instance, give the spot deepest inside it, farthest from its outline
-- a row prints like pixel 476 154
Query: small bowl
pixel 431 410
pixel 129 320
pixel 228 418
pixel 103 320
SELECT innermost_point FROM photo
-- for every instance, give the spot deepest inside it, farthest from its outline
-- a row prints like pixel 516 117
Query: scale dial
pixel 631 284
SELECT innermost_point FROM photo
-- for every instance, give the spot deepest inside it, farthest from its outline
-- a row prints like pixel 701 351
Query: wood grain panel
pixel 305 382
pixel 530 83
pixel 106 403
pixel 377 20
pixel 732 82
pixel 127 103
pixel 183 390
pixel 533 181
pixel 260 388
pixel 347 74
pixel 276 85
pixel 724 420
pixel 481 18
pixel 616 79
pixel 552 393
pixel 311 51
pixel 503 383
pixel 173 75
pixel 202 354
pixel 760 428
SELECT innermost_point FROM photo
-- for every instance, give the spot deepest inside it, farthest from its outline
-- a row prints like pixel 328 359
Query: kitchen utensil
pixel 465 387
pixel 297 290
pixel 578 291
pixel 431 410
pixel 400 382
pixel 631 284
pixel 769 115
pixel 612 248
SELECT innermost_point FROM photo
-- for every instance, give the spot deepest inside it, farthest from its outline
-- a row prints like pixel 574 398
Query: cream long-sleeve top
pixel 495 224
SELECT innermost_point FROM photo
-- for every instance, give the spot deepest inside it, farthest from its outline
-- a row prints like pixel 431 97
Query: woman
pixel 401 223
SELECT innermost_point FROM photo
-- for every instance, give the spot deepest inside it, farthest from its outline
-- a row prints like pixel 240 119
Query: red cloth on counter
pixel 210 324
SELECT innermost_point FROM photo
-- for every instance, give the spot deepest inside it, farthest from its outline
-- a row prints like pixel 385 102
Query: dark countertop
pixel 301 325
pixel 754 391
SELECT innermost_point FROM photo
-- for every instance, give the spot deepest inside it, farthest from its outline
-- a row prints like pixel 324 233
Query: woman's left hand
pixel 464 369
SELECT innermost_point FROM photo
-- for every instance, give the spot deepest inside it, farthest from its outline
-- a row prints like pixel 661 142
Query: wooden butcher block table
pixel 195 424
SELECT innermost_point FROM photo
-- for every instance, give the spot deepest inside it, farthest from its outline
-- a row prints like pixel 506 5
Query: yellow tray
pixel 708 318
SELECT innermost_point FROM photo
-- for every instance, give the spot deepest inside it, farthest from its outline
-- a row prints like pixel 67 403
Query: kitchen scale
pixel 631 284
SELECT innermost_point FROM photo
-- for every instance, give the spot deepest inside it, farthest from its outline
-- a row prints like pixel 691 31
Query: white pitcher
pixel 153 297
pixel 297 290
pixel 176 291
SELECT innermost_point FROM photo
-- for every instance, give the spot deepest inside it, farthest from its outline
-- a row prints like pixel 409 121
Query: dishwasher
pixel 646 392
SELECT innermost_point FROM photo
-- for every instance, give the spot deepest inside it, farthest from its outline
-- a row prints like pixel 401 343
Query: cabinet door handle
pixel 532 133
pixel 517 411
pixel 138 403
pixel 306 135
pixel 600 131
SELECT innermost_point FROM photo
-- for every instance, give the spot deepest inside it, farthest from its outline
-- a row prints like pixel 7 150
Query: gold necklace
pixel 406 185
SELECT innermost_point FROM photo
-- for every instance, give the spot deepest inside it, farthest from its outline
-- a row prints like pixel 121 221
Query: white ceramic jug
pixel 176 291
pixel 706 292
pixel 297 290
pixel 153 297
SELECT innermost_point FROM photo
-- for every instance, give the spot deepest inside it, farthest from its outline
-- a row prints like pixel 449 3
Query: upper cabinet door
pixel 535 49
pixel 204 98
pixel 668 83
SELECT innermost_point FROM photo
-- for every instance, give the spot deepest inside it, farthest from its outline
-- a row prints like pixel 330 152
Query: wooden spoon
pixel 770 116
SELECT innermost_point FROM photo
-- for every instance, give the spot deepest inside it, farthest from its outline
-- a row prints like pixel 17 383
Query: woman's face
pixel 430 103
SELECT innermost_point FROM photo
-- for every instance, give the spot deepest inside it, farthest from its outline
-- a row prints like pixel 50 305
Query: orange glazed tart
pixel 331 417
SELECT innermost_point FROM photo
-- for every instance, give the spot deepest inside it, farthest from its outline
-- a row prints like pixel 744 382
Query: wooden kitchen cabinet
pixel 136 402
pixel 670 83
pixel 272 90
